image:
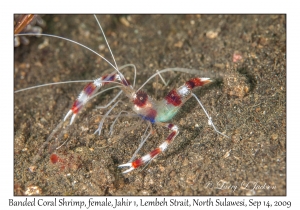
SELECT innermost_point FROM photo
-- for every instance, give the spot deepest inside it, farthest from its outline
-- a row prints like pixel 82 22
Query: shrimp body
pixel 156 112
pixel 161 112
pixel 167 108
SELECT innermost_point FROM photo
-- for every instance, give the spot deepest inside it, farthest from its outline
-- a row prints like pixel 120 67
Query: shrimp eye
pixel 140 99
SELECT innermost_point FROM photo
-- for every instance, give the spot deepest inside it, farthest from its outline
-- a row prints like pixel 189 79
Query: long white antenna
pixel 191 71
pixel 59 37
pixel 210 122
pixel 112 55
pixel 53 83
pixel 109 48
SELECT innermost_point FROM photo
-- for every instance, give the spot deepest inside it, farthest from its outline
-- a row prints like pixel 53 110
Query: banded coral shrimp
pixel 82 123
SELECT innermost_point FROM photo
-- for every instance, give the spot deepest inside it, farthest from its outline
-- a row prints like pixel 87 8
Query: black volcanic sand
pixel 246 54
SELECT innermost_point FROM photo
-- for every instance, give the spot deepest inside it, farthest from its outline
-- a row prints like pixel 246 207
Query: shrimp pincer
pixel 88 91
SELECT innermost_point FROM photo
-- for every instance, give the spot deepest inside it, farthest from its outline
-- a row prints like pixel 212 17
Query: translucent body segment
pixel 169 106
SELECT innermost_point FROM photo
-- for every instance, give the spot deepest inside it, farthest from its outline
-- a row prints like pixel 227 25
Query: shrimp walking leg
pixel 151 155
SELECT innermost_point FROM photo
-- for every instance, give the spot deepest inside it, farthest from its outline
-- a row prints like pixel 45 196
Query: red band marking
pixel 108 78
pixel 151 115
pixel 170 126
pixel 137 163
pixel 125 82
pixel 155 152
pixel 89 89
pixel 195 82
pixel 76 107
pixel 173 98
pixel 171 136
pixel 140 99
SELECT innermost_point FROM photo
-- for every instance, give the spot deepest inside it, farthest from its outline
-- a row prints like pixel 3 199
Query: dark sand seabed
pixel 248 104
